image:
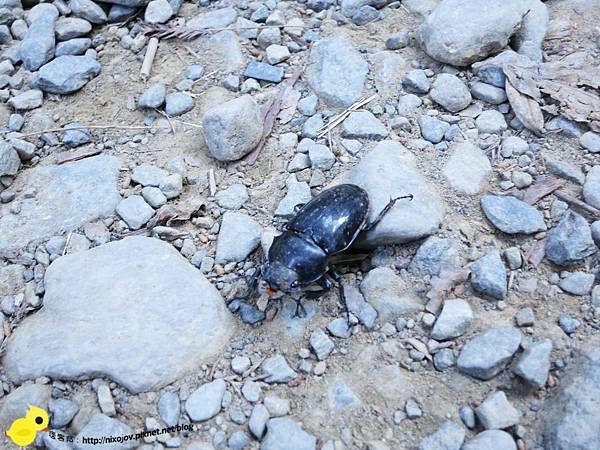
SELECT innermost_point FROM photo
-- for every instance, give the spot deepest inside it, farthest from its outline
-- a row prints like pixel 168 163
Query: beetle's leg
pixel 343 302
pixel 300 310
pixel 298 207
pixel 384 211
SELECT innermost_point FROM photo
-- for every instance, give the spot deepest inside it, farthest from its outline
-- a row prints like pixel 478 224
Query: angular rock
pixel 321 157
pixel 239 236
pixel 357 305
pixel 178 103
pixel 37 47
pixel 449 436
pixel 258 421
pixel 491 440
pixel 135 211
pixel 450 92
pixel 217 18
pixel 169 408
pixel 321 344
pixel 460 32
pixel 262 71
pixel 432 128
pixel 571 417
pixel 336 72
pixel 468 169
pixel 591 187
pixel 9 161
pixel 454 320
pixel 65 74
pixel 148 175
pixel 285 434
pixel 85 190
pixel 408 104
pixel 233 197
pixel 27 100
pixel 488 275
pixel 153 97
pixel 205 402
pixel 385 291
pixel 298 193
pixel 62 411
pixel 434 255
pixel 534 364
pixel 389 171
pixel 511 215
pixel 277 369
pixel 232 129
pixel 158 11
pixel 570 240
pixel 416 81
pixel 485 355
pixel 514 145
pixel 562 169
pixel 496 412
pixel 72 337
pixel 341 396
pixel 488 93
pixel 363 124
pixel 75 134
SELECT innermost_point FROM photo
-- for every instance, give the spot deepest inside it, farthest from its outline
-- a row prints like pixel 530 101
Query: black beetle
pixel 325 226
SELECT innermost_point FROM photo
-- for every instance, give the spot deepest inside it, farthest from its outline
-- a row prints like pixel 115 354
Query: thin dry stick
pixel 167 32
pixel 342 116
pixel 82 127
pixel 168 119
pixel 212 183
pixel 77 156
pixel 578 203
pixel 149 58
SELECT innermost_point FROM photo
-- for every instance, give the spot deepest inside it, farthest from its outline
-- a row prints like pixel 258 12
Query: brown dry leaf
pixel 526 109
pixel 523 80
pixel 542 188
pixel 447 279
pixel 575 103
pixel 167 214
pixel 419 346
pixel 288 106
pixel 536 253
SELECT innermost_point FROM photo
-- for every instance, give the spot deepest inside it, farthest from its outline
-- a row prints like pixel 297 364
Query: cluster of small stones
pixel 459 115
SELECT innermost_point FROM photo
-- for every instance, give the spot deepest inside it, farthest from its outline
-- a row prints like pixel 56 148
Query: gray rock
pixel 194 72
pixel 563 169
pixel 432 128
pixel 488 93
pixel 590 141
pixel 416 81
pixel 63 411
pixel 172 185
pixel 534 364
pixel 454 320
pixel 336 72
pixel 307 106
pixel 467 415
pixel 217 18
pixel 568 324
pixel 122 270
pixel 339 328
pixel 258 421
pixel 412 409
pixel 75 134
pixel 233 129
pixel 205 402
pixel 169 408
pixel 277 369
pixel 443 359
pixel 76 46
pixel 263 71
pixel 16 404
pixel 570 240
pixel 365 14
pixel 277 406
pixel 514 145
pixel 135 211
pixel 578 283
pixel 389 171
pixel 496 412
pixel 491 121
pixel 468 169
pixel 321 344
pixel 9 161
pixel 71 27
pixel 341 396
pixel 491 440
pixel 27 100
pixel 397 40
pixel 408 104
pixel 148 175
pixel 363 124
pixel 100 426
pixel 277 53
pixel 158 11
pixel 321 157
pixel 449 436
pixel 460 32
pixel 357 305
pixel 239 236
pixel 299 162
pixel 86 191
pixel 178 103
pixel 492 74
pixel 488 275
pixel 434 255
pixel 511 215
pixel 485 355
pixel 119 13
pixel 37 47
pixel 65 74
pixel 238 441
pixel 233 197
pixel 525 317
pixel 386 292
pixel 26 150
pixel 311 127
pixel 105 400
pixel 298 193
pixel 450 92
pixel 571 416
pixel 591 188
pixel 88 10
pixel 153 97
pixel 285 434
pixel 268 36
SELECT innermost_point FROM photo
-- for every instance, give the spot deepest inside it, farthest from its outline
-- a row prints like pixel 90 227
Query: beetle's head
pixel 277 277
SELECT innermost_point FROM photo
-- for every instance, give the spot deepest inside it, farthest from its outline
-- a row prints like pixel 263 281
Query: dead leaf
pixel 167 214
pixel 419 346
pixel 523 80
pixel 526 109
pixel 535 254
pixel 542 188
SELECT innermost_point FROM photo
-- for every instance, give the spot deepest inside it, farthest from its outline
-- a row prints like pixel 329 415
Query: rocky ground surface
pixel 125 253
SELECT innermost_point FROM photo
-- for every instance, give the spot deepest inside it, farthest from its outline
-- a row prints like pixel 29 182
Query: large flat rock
pixel 132 310
pixel 67 196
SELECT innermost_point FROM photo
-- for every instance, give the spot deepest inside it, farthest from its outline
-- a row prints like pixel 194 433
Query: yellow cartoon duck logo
pixel 23 430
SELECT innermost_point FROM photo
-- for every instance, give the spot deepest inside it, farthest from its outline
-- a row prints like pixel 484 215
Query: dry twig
pixel 342 116
pixel 586 208
pixel 82 127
